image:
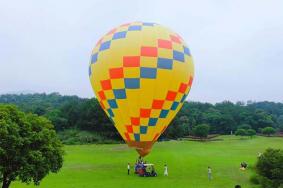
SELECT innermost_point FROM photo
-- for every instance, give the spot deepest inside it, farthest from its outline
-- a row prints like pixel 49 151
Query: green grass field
pixel 104 166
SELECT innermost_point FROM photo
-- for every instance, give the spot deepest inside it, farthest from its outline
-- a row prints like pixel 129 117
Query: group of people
pixel 141 169
pixel 144 169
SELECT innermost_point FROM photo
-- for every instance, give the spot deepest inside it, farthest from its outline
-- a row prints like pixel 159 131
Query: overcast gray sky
pixel 237 46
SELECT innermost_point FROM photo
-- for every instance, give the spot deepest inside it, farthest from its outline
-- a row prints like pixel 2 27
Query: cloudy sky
pixel 237 46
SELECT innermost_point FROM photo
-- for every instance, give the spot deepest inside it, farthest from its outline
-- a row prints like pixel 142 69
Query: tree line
pixel 81 114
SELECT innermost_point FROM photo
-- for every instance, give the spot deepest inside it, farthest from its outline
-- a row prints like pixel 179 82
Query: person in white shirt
pixel 129 168
pixel 209 173
pixel 165 170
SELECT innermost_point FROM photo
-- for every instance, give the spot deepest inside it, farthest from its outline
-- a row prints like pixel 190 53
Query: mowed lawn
pixel 105 166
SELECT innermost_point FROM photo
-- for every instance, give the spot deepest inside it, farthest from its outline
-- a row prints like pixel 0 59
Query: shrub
pixel 255 179
pixel 250 132
pixel 266 183
pixel 270 167
pixel 268 131
pixel 201 130
pixel 240 132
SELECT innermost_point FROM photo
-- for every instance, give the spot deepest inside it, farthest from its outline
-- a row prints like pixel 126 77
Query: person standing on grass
pixel 128 168
pixel 209 173
pixel 165 170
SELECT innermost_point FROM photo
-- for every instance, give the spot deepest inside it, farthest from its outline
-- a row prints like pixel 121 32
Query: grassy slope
pixel 104 166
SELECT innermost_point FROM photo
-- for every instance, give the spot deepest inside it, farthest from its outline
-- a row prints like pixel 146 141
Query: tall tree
pixel 29 147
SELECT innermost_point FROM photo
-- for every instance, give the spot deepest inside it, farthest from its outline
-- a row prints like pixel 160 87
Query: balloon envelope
pixel 141 74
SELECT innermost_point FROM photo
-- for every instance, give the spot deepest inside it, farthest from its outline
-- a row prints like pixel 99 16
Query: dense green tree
pixel 29 147
pixel 270 167
pixel 280 123
pixel 59 120
pixel 268 131
pixel 175 130
pixel 71 112
pixel 261 119
pixel 201 130
pixel 194 111
pixel 268 107
pixel 230 115
pixel 244 126
pixel 184 121
pixel 213 117
pixel 40 110
pixel 240 132
pixel 250 132
pixel 280 120
pixel 91 117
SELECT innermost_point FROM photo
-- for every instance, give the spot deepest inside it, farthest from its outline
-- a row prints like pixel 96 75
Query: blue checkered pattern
pixel 132 83
pixel 179 56
pixel 143 129
pixel 164 63
pixel 119 93
pixel 163 113
pixel 105 45
pixel 112 103
pixel 110 112
pixel 147 72
pixel 135 28
pixel 119 35
pixel 94 58
pixel 152 121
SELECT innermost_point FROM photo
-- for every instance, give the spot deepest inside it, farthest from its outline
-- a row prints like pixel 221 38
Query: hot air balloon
pixel 141 74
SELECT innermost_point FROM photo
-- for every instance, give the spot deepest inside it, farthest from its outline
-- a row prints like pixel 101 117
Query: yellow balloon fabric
pixel 141 74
